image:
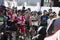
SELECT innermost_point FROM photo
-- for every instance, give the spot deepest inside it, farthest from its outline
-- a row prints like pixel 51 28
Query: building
pixel 1 2
pixel 57 3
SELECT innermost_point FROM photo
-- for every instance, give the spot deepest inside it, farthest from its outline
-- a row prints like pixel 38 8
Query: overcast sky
pixel 28 1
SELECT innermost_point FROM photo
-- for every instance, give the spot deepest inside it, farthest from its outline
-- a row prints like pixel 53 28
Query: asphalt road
pixel 14 37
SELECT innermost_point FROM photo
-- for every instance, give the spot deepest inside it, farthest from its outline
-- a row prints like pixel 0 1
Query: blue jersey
pixel 44 18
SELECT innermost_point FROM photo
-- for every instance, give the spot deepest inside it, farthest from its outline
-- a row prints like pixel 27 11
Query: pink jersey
pixel 10 14
pixel 14 16
pixel 21 20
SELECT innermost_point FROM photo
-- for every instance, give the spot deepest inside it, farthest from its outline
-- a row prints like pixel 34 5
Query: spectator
pixel 27 20
pixel 56 23
pixel 39 14
pixel 35 20
pixel 9 13
pixel 27 23
pixel 29 11
pixel 14 15
pixel 21 21
pixel 23 10
pixel 50 11
pixel 1 18
pixel 43 24
pixel 50 22
pixel 51 16
pixel 44 18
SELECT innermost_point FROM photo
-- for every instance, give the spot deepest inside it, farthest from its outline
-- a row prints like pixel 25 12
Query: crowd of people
pixel 26 20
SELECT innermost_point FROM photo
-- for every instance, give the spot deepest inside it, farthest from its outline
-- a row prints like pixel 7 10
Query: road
pixel 14 38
